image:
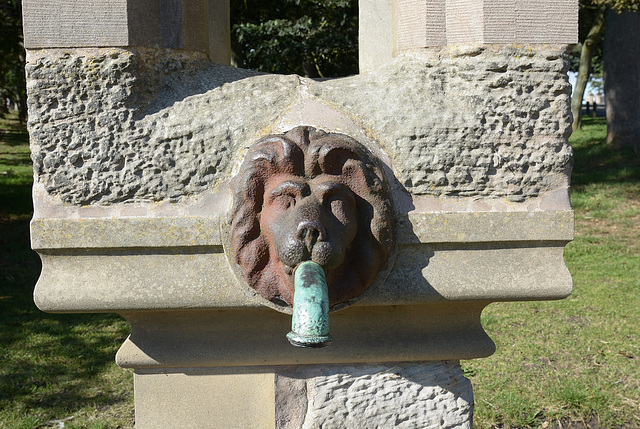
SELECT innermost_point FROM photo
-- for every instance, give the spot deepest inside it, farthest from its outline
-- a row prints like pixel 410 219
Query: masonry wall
pixel 129 125
pixel 137 128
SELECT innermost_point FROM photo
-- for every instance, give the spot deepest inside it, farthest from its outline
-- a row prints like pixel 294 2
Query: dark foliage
pixel 308 37
pixel 12 56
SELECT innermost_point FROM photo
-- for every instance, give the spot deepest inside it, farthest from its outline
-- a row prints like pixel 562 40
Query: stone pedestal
pixel 137 130
pixel 399 395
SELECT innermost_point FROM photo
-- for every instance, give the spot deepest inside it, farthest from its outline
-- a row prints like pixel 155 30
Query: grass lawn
pixel 52 367
pixel 569 364
pixel 575 360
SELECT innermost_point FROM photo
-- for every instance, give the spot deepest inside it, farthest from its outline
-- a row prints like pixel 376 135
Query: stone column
pixel 138 129
pixel 420 24
pixel 375 39
pixel 195 25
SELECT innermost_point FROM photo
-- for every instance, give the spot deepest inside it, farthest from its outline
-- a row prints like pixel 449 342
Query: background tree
pixel 588 57
pixel 12 55
pixel 622 78
pixel 313 38
pixel 591 28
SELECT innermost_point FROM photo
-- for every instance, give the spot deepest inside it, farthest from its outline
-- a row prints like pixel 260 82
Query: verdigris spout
pixel 310 322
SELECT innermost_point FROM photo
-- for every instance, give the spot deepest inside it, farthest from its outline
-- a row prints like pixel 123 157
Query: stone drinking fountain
pixel 228 214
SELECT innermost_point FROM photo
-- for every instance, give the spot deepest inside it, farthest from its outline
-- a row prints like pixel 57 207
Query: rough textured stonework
pixel 488 123
pixel 111 126
pixel 405 395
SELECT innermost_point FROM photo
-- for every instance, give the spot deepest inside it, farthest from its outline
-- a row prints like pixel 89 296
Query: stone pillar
pixel 404 395
pixel 420 24
pixel 375 39
pixel 196 25
pixel 139 132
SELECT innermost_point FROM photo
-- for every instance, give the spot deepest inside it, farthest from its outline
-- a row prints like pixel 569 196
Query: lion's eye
pixel 340 205
pixel 286 201
pixel 337 206
pixel 285 195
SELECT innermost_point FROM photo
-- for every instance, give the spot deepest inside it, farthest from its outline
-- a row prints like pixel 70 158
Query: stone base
pixel 399 395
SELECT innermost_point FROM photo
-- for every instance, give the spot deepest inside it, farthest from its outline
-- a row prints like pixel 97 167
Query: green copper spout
pixel 310 322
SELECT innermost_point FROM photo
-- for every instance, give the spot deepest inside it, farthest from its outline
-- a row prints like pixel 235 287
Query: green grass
pixel 52 367
pixel 570 363
pixel 575 360
pixel 15 168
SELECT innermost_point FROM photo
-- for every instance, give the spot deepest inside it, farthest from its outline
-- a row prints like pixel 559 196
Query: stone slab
pixel 120 264
pixel 465 21
pixel 70 23
pixel 418 24
pixel 245 337
pixel 431 395
pixel 483 227
pixel 540 21
pixel 219 46
pixel 199 398
pixel 112 23
pixel 125 232
pixel 483 272
pixel 375 34
pixel 167 279
pixel 126 280
pixel 198 231
pixel 425 24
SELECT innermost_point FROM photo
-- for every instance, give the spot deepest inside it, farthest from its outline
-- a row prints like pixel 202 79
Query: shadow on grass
pixel 15 202
pixel 14 138
pixel 596 162
pixel 16 160
pixel 51 364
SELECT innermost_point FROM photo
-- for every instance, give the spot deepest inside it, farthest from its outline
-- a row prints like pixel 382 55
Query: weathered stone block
pixel 430 395
pixel 197 25
pixel 112 125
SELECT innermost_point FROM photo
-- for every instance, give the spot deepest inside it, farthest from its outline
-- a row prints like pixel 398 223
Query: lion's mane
pixel 308 153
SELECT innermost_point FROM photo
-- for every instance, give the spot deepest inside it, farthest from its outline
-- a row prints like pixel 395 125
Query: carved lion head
pixel 311 195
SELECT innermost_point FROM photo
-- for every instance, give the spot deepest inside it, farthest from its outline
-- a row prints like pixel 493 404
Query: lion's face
pixel 309 220
pixel 308 195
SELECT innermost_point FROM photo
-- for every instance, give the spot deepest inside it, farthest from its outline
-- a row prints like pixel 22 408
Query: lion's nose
pixel 310 233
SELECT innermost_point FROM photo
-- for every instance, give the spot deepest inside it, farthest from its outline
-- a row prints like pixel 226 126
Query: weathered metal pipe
pixel 310 322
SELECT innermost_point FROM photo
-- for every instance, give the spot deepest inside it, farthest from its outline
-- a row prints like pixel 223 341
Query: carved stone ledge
pixel 241 337
pixel 177 263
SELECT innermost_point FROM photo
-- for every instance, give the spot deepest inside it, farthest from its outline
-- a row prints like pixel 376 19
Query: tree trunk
pixel 584 69
pixel 22 109
pixel 309 68
pixel 622 79
pixel 237 56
